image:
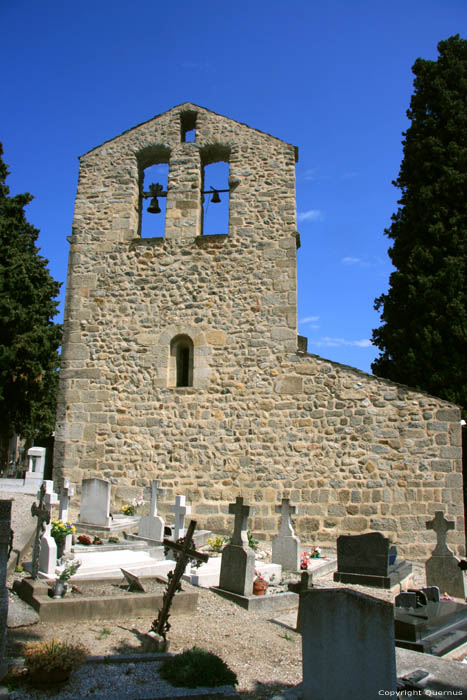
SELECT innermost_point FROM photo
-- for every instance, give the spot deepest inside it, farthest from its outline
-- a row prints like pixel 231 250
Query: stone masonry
pixel 257 416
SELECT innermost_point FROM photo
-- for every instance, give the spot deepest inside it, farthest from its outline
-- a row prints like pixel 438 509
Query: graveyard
pixel 135 597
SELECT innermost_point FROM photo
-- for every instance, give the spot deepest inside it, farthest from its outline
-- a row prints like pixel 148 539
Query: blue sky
pixel 333 78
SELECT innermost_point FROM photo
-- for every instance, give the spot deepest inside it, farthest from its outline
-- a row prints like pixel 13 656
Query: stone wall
pixel 262 418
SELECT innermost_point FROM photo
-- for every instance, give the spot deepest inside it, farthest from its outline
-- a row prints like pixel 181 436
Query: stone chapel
pixel 181 359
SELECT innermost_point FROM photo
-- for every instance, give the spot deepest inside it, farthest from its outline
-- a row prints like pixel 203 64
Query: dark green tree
pixel 29 340
pixel 423 339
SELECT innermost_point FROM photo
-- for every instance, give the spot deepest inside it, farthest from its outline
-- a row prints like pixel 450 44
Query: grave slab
pixel 81 607
pixel 260 603
pixel 435 628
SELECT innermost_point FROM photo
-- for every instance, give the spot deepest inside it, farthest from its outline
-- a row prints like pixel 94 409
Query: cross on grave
pixel 180 509
pixel 65 493
pixel 184 551
pixel 156 491
pixel 42 512
pixel 241 512
pixel 286 511
pixel 441 526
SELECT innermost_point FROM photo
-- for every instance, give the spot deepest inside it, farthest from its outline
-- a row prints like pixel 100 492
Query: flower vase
pixel 60 548
pixel 259 587
pixel 59 589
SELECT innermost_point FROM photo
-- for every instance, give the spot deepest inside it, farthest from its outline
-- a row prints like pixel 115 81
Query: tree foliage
pixel 29 340
pixel 423 338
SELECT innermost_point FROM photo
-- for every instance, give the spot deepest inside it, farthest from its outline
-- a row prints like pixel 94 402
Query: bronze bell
pixel 215 199
pixel 154 207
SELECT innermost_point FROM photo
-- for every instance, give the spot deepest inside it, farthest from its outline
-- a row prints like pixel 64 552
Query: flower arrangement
pixel 216 543
pixel 315 552
pixel 130 508
pixel 60 530
pixel 304 561
pixel 97 540
pixel 53 655
pixel 84 539
pixel 70 569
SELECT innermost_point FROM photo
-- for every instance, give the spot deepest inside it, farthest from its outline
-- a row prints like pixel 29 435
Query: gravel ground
pixel 266 656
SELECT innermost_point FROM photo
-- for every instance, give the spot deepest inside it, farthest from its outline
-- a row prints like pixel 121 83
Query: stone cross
pixel 152 526
pixel 48 547
pixel 5 546
pixel 180 509
pixel 65 493
pixel 184 552
pixel 286 511
pixel 241 512
pixel 238 559
pixel 286 546
pixel 441 526
pixel 442 569
pixel 156 491
pixel 42 512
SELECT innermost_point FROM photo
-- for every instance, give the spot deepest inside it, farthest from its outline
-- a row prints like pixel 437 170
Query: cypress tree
pixel 423 339
pixel 29 340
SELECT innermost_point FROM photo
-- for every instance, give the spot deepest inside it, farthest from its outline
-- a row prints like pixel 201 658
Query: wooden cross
pixel 184 551
pixel 441 526
pixel 241 512
pixel 43 516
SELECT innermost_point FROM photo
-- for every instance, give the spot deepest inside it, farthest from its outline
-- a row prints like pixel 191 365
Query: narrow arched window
pixel 181 361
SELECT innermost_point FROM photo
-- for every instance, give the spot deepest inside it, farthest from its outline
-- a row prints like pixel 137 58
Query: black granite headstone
pixel 434 628
pixel 369 560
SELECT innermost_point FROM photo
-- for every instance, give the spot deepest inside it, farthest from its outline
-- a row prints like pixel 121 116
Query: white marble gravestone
pixel 36 466
pixel 95 502
pixel 180 510
pixel 65 493
pixel 286 545
pixel 151 526
pixel 354 631
pixel 48 548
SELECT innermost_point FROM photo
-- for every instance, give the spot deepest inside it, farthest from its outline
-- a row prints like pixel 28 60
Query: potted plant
pixel 60 586
pixel 259 584
pixel 59 532
pixel 52 662
pixel 304 561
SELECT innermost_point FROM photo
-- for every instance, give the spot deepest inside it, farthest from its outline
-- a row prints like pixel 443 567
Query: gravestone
pixel 238 559
pixel 180 510
pixel 36 467
pixel 348 645
pixel 42 512
pixel 48 546
pixel 442 568
pixel 369 560
pixel 425 623
pixel 5 545
pixel 151 526
pixel 65 493
pixel 95 502
pixel 286 546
